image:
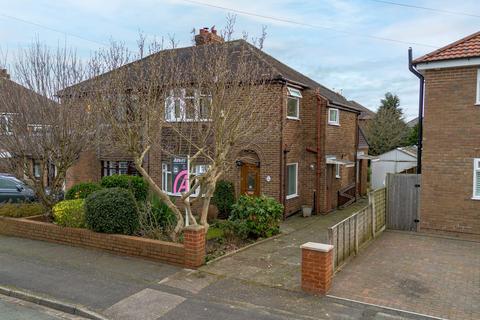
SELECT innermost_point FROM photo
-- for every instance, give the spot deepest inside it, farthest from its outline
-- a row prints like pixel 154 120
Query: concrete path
pixel 277 262
pixel 127 288
pixel 420 273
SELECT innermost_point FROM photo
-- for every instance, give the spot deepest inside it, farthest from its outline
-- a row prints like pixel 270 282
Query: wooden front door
pixel 250 180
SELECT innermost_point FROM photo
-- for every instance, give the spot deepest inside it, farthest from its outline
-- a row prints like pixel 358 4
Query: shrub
pixel 223 198
pixel 20 210
pixel 136 185
pixel 112 210
pixel 70 213
pixel 82 190
pixel 162 214
pixel 256 217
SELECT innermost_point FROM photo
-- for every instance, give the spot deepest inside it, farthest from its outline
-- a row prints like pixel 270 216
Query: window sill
pixel 337 177
pixel 291 196
pixel 171 194
pixel 476 198
pixel 334 124
pixel 293 118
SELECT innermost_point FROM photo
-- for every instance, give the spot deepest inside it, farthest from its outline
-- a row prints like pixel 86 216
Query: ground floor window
pixel 110 168
pixel 36 169
pixel 337 171
pixel 476 178
pixel 292 180
pixel 168 176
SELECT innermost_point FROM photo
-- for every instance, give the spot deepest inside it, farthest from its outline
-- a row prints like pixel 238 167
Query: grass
pixel 214 233
pixel 21 210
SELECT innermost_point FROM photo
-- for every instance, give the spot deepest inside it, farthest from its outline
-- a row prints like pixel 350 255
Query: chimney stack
pixel 4 74
pixel 207 36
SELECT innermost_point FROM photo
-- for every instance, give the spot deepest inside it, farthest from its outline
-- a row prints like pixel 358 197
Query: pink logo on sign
pixel 181 182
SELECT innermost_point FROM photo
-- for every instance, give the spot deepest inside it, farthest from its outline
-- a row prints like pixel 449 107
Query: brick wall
pixel 451 140
pixel 86 169
pixel 190 254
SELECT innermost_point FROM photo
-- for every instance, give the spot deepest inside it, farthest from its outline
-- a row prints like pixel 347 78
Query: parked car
pixel 14 190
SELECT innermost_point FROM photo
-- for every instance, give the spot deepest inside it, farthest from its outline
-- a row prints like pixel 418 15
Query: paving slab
pixel 277 262
pixel 420 273
pixel 147 304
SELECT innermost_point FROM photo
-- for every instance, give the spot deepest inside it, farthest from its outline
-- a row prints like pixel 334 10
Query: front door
pixel 250 184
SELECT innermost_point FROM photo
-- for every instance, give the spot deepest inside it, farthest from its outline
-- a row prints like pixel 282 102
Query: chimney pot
pixel 207 36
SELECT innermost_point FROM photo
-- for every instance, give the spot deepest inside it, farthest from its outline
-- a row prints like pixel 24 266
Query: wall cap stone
pixel 315 246
pixel 194 227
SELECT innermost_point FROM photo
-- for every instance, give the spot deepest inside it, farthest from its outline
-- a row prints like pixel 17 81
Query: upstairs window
pixel 187 105
pixel 6 123
pixel 478 87
pixel 476 178
pixel 334 116
pixel 293 103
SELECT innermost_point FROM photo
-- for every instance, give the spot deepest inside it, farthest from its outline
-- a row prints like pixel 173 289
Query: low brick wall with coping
pixel 190 254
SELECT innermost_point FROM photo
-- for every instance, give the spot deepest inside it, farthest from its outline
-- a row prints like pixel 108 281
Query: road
pixel 127 288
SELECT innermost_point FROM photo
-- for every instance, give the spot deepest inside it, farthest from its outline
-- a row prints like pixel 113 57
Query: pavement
pixel 422 273
pixel 120 287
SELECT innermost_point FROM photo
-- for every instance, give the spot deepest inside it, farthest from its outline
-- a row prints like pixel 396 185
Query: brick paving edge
pixel 51 303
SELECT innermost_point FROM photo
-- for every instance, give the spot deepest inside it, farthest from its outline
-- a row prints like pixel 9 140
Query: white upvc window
pixel 6 123
pixel 337 171
pixel 476 179
pixel 334 116
pixel 293 103
pixel 167 180
pixel 186 105
pixel 478 88
pixel 292 180
pixel 36 169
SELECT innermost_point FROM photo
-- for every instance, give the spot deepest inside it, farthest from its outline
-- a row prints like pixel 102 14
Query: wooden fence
pixel 350 234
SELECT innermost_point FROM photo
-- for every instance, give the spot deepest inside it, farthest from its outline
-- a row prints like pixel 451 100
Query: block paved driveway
pixel 420 273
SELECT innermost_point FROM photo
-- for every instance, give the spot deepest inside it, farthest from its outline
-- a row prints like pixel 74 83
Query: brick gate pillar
pixel 317 267
pixel 194 243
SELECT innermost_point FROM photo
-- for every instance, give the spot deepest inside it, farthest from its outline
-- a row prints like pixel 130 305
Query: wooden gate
pixel 403 200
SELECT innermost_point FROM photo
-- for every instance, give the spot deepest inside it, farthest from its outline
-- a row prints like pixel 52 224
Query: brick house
pixel 312 158
pixel 450 194
pixel 7 116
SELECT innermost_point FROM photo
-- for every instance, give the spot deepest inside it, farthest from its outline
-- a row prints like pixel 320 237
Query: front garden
pixel 123 205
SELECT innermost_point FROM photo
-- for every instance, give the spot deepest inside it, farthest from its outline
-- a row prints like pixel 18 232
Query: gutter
pixel 420 110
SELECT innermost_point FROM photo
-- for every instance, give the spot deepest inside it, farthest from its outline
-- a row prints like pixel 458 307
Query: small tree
pixel 40 127
pixel 199 101
pixel 387 129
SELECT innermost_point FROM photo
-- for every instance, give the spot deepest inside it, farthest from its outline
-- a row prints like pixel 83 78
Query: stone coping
pixel 315 246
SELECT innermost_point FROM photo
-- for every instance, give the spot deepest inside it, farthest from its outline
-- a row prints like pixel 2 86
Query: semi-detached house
pixel 450 189
pixel 311 158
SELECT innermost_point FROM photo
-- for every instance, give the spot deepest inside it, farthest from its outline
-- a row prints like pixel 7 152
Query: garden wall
pixel 189 254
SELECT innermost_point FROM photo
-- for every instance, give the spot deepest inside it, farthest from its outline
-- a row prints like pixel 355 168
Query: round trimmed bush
pixel 82 190
pixel 137 185
pixel 112 210
pixel 69 213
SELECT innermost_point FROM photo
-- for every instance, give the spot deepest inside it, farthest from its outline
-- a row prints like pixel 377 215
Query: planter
pixel 306 211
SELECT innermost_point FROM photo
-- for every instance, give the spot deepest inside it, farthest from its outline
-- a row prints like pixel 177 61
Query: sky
pixel 335 42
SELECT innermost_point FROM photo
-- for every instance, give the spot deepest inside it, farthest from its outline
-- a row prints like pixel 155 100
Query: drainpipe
pixel 420 110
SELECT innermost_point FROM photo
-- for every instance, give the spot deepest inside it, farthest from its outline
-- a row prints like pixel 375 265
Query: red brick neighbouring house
pixel 311 158
pixel 450 196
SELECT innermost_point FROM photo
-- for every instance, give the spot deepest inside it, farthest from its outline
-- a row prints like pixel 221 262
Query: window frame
pixel 337 121
pixel 296 95
pixel 294 195
pixel 36 164
pixel 107 166
pixel 181 99
pixel 199 169
pixel 476 175
pixel 7 117
pixel 478 88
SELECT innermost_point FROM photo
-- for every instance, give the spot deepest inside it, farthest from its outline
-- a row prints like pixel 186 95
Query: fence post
pixel 374 214
pixel 356 233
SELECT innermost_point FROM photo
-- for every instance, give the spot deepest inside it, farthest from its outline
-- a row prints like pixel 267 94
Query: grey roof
pixel 362 139
pixel 272 68
pixel 410 150
pixel 412 123
pixel 366 114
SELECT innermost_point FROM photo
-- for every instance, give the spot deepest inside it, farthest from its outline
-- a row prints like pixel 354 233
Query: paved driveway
pixel 414 272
